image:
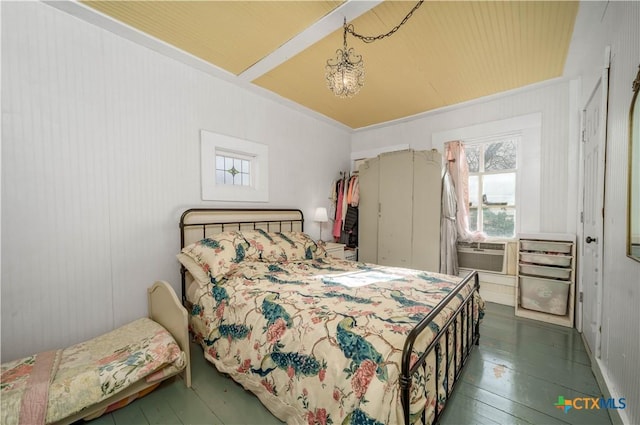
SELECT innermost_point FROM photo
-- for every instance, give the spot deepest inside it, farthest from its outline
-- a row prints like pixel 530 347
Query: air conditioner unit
pixel 483 256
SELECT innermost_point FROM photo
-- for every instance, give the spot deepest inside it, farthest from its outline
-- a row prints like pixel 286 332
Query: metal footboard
pixel 463 316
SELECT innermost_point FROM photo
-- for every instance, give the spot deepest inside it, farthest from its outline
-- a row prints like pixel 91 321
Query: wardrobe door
pixel 427 187
pixel 368 176
pixel 395 214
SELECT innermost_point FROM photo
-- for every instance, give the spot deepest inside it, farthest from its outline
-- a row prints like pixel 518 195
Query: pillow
pixel 195 269
pixel 277 247
pixel 210 259
pixel 264 245
pixel 219 254
pixel 300 246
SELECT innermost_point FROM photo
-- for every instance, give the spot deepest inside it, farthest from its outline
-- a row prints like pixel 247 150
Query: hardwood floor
pixel 514 376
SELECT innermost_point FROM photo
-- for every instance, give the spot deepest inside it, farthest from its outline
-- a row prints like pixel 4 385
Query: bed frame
pixel 165 309
pixel 198 223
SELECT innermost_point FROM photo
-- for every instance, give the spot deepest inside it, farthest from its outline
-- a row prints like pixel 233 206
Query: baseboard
pixel 618 417
pixel 498 294
pixel 496 288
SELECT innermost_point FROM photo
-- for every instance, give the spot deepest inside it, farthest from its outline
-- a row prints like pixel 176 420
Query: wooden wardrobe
pixel 399 210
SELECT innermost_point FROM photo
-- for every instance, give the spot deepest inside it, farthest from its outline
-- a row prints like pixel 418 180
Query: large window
pixel 492 186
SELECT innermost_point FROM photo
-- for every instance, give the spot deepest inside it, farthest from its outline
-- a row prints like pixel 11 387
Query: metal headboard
pixel 199 223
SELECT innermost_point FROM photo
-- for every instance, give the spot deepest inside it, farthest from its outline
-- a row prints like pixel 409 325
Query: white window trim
pixel 258 191
pixel 528 176
pixel 483 141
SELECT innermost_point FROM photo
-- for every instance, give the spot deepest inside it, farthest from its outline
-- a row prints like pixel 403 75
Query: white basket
pixel 546 259
pixel 544 271
pixel 546 295
pixel 545 246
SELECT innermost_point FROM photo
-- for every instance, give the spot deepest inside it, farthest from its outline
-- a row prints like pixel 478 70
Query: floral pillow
pixel 283 246
pixel 219 254
pixel 266 245
pixel 210 259
pixel 195 269
pixel 300 246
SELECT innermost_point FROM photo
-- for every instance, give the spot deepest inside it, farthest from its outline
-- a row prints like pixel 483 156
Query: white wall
pixel 619 28
pixel 557 191
pixel 100 156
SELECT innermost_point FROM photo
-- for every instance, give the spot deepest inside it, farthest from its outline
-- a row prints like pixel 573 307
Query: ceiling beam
pixel 332 21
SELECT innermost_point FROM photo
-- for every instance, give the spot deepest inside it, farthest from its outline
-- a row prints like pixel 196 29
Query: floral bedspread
pixel 95 370
pixel 320 341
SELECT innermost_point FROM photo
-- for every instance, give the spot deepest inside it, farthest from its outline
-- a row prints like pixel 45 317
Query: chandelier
pixel 345 72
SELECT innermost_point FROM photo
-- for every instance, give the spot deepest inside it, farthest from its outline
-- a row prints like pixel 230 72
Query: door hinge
pixel 580 297
pixel 582 136
pixel 581 216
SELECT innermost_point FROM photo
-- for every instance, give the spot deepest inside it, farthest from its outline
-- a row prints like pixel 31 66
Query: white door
pixel 594 142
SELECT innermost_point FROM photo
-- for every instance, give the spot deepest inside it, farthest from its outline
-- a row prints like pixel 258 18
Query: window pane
pixel 220 177
pixel 219 162
pixel 228 163
pixel 474 197
pixel 499 189
pixel 473 219
pixel 245 166
pixel 500 156
pixel 499 222
pixel 473 158
pixel 246 181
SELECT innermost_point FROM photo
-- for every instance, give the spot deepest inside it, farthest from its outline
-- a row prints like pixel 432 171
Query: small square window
pixel 233 169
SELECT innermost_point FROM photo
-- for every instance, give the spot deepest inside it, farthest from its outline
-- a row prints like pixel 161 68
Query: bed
pixel 97 376
pixel 321 340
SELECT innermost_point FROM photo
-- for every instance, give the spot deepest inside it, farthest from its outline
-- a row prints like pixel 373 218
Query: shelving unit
pixel 545 279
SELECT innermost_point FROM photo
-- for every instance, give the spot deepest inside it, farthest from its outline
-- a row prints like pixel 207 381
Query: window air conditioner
pixel 483 256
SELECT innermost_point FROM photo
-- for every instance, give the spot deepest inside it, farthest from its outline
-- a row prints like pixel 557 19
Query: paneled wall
pixel 551 100
pixel 621 312
pixel 100 156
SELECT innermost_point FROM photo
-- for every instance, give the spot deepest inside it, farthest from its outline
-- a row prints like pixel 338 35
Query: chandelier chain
pixel 371 39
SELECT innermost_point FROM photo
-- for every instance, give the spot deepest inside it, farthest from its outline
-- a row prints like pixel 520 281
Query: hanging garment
pixel 448 228
pixel 351 227
pixel 355 193
pixel 337 224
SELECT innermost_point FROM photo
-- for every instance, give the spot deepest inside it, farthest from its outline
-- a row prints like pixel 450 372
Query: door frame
pixel 604 81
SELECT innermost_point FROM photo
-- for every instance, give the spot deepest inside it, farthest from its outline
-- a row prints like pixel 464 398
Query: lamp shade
pixel 321 215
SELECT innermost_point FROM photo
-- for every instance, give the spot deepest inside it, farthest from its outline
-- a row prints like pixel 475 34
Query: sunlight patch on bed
pixel 358 278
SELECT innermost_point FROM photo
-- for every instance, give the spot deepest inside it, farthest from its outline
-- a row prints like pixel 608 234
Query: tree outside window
pixel 492 186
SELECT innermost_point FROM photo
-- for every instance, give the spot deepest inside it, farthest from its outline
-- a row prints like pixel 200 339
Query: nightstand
pixel 351 254
pixel 335 250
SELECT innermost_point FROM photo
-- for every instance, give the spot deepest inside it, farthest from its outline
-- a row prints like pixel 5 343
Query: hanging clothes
pixel 355 192
pixel 448 228
pixel 337 224
pixel 351 227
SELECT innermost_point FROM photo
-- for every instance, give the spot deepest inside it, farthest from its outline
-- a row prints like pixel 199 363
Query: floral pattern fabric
pixel 320 341
pixel 220 254
pixel 95 370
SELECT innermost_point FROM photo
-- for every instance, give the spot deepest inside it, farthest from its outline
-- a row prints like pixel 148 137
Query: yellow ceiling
pixel 448 52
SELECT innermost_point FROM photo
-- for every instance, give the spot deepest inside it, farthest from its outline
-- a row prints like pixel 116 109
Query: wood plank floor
pixel 514 376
